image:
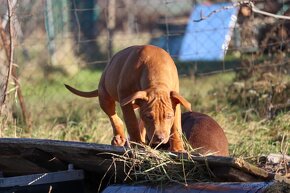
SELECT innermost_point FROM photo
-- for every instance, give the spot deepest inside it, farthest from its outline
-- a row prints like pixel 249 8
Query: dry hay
pixel 143 164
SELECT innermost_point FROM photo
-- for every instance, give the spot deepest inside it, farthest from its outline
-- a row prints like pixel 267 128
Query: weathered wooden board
pixel 30 156
pixel 20 156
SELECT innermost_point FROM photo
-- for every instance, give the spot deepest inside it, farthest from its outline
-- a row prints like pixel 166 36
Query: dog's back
pixel 204 133
pixel 139 68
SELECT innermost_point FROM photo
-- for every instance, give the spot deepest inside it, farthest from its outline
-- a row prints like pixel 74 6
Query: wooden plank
pixel 25 156
pixel 43 178
pixel 16 165
pixel 53 155
pixel 43 159
pixel 237 169
pixel 47 144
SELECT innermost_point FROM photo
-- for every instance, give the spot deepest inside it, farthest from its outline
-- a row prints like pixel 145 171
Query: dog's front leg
pixel 119 138
pixel 131 122
pixel 108 105
pixel 176 142
pixel 142 131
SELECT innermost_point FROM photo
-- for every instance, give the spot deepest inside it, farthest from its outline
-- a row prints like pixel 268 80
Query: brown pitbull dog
pixel 204 134
pixel 142 77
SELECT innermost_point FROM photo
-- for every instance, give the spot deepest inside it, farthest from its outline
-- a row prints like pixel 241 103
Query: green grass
pixel 250 139
pixel 58 114
pixel 203 92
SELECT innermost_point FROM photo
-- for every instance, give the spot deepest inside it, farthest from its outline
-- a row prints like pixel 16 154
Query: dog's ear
pixel 177 98
pixel 137 95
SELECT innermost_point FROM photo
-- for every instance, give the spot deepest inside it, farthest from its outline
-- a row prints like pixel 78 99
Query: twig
pixel 3 24
pixel 202 17
pixel 250 4
pixel 9 50
pixel 12 66
pixel 256 10
pixel 78 25
pixel 6 79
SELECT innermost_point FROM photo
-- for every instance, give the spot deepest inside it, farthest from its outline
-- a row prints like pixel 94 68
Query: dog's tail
pixel 88 94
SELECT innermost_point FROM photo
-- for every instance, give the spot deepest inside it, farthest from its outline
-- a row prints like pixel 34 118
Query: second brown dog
pixel 204 134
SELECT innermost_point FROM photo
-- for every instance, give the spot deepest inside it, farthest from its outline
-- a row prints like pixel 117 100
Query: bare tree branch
pixel 249 3
pixel 256 10
pixel 9 50
pixel 11 47
pixel 202 17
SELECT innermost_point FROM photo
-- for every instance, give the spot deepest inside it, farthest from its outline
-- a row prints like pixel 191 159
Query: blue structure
pixel 208 39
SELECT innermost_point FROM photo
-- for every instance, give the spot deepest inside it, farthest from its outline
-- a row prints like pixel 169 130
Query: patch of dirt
pixel 278 187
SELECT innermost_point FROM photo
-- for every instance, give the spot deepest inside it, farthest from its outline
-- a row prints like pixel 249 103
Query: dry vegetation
pixel 57 114
pixel 238 104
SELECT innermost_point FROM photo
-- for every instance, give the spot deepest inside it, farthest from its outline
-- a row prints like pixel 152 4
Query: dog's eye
pixel 149 117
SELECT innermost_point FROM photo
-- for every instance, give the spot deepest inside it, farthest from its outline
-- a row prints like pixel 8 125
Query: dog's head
pixel 157 110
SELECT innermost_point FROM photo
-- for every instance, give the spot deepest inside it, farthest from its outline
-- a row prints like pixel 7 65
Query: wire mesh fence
pixel 92 31
pixel 202 36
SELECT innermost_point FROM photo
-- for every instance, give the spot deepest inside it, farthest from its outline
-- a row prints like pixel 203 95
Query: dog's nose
pixel 158 139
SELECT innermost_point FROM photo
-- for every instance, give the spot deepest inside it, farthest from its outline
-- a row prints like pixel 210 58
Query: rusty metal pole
pixel 111 22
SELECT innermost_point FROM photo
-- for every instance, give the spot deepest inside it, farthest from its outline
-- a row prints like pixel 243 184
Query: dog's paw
pixel 118 141
pixel 179 149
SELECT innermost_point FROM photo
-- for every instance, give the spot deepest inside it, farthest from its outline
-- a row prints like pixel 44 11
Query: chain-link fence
pixel 202 36
pixel 92 31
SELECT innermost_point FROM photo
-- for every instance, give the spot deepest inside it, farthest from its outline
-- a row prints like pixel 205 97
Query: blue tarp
pixel 209 38
pixel 253 187
pixel 205 40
